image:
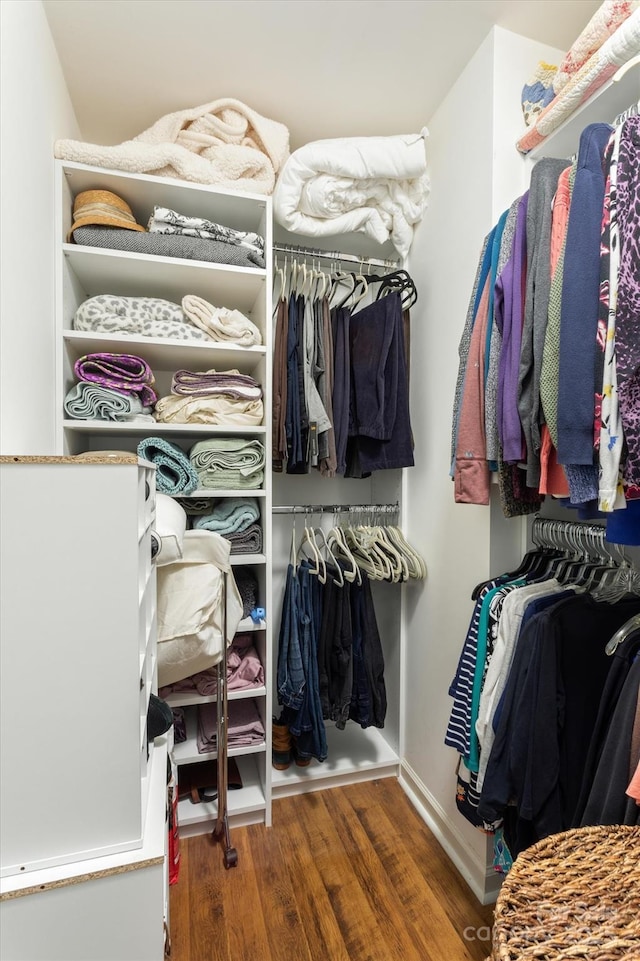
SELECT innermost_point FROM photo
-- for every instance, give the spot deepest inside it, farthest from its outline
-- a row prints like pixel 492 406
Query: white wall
pixel 35 109
pixel 475 172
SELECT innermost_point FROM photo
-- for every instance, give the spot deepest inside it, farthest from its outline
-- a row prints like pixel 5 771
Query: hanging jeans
pixel 372 655
pixel 306 723
pixel 290 673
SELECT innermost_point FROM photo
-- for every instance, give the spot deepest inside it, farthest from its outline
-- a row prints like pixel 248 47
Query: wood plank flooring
pixel 347 874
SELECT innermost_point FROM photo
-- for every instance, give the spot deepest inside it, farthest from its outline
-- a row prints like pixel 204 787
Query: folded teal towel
pixel 174 473
pixel 228 462
pixel 230 516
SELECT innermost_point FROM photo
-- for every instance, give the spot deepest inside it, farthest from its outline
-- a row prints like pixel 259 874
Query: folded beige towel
pixel 221 323
pixel 223 142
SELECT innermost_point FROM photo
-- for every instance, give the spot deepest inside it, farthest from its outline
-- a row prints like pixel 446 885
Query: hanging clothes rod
pixel 334 255
pixel 337 509
pixel 571 535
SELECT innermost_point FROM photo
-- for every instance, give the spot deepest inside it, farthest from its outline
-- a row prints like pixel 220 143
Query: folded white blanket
pixel 222 411
pixel 223 142
pixel 136 316
pixel 378 185
pixel 221 323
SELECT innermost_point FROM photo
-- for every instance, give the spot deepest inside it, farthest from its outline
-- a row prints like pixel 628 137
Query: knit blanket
pixel 208 383
pixel 137 317
pixel 222 411
pixel 167 221
pixel 223 142
pixel 185 248
pixel 123 372
pixel 230 515
pixel 228 462
pixel 174 473
pixel 220 323
pixel 86 401
pixel 378 185
pixel 620 47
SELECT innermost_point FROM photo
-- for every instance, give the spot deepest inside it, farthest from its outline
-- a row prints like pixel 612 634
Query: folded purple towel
pixel 210 383
pixel 123 372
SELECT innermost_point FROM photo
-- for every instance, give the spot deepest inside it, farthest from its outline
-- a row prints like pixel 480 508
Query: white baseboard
pixel 483 881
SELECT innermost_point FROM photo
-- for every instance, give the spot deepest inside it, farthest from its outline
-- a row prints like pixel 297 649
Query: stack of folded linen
pixel 172 224
pixel 221 323
pixel 111 387
pixel 233 463
pixel 226 398
pixel 244 726
pixel 236 519
pixel 138 317
pixel 244 670
pixel 174 471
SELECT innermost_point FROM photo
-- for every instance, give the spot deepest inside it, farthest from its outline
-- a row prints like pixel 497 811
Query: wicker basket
pixel 574 895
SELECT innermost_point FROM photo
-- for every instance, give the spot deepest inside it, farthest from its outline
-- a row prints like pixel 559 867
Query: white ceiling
pixel 325 68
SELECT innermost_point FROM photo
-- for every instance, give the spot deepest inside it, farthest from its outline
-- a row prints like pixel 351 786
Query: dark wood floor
pixel 348 874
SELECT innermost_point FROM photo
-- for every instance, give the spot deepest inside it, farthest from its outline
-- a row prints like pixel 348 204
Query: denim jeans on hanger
pixel 306 724
pixel 290 674
pixel 360 707
pixel 335 653
pixel 372 656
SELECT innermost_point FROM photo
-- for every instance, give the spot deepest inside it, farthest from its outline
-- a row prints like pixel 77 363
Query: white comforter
pixel 378 185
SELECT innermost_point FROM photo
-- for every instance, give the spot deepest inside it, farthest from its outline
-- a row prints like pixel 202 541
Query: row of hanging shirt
pixel 330 656
pixel 548 390
pixel 546 695
pixel 341 370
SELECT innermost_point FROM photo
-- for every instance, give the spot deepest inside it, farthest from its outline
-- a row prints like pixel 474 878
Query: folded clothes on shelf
pixel 228 462
pixel 174 472
pixel 231 515
pixel 210 383
pixel 248 541
pixel 86 401
pixel 220 410
pixel 195 506
pixel 160 245
pixel 166 221
pixel 247 584
pixel 123 372
pixel 137 317
pixel 245 728
pixel 244 670
pixel 221 323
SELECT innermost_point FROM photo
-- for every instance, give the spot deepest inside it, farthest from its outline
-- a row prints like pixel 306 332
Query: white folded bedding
pixel 378 185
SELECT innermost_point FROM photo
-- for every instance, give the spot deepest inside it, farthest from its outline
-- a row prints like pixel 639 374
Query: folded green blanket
pixel 228 462
pixel 87 401
pixel 230 516
pixel 174 473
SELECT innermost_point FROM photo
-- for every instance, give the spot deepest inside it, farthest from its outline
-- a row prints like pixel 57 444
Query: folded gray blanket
pixel 87 401
pixel 186 248
pixel 247 584
pixel 228 462
pixel 248 541
pixel 174 473
pixel 197 505
pixel 229 516
pixel 137 317
pixel 210 383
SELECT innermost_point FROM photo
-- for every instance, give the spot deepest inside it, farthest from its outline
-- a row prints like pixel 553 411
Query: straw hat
pixel 102 207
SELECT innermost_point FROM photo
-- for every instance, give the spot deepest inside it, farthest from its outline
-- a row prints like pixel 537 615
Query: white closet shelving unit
pixel 354 754
pixel 85 272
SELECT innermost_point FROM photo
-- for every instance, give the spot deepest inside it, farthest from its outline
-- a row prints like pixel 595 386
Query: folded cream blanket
pixel 137 317
pixel 223 142
pixel 378 185
pixel 221 323
pixel 222 411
